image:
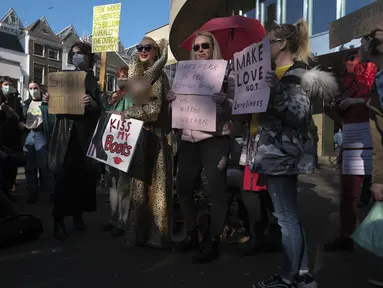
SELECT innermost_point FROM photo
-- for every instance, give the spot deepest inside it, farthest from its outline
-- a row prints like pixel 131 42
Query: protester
pixel 118 102
pixel 38 126
pixel 204 150
pixel 11 119
pixel 75 174
pixel 284 140
pixel 338 141
pixel 357 84
pixel 372 51
pixel 147 186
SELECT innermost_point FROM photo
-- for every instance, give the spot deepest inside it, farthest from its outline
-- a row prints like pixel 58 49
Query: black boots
pixel 78 222
pixel 189 243
pixel 60 233
pixel 208 251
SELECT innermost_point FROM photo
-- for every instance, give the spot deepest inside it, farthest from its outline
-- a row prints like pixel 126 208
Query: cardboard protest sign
pixel 194 113
pixel 356 24
pixel 199 77
pixel 251 65
pixel 106 26
pixel 114 141
pixel 66 90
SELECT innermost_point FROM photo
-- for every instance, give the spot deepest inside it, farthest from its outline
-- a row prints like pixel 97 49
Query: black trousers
pixel 192 158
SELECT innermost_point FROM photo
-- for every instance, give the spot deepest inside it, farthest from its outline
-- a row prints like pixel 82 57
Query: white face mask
pixel 35 93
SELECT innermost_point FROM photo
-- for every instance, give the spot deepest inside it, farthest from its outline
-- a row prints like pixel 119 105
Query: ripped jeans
pixel 211 155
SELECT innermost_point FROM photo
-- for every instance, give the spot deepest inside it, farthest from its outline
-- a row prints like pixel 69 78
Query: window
pixel 13 19
pixel 251 14
pixel 294 11
pixel 53 53
pixel 38 73
pixel 45 30
pixel 324 12
pixel 38 49
pixel 110 83
pixel 353 5
pixel 269 13
pixel 53 69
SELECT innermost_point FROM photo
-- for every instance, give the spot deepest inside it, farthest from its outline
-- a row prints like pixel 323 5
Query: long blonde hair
pixel 217 55
pixel 297 37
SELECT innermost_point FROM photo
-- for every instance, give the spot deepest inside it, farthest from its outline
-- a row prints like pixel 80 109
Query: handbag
pixel 19 229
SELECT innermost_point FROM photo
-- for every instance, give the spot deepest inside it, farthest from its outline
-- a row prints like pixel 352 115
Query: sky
pixel 137 16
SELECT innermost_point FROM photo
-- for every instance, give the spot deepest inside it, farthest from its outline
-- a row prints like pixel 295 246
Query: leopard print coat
pixel 148 219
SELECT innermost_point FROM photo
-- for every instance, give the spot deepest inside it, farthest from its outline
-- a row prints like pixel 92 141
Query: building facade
pixel 13 59
pixel 45 50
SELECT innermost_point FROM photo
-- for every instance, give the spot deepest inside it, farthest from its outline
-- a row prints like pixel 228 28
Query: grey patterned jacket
pixel 283 145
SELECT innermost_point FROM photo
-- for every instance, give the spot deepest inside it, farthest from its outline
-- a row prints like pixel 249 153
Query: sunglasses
pixel 146 47
pixel 204 46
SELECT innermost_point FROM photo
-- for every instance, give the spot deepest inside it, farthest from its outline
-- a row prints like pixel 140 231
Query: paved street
pixel 95 259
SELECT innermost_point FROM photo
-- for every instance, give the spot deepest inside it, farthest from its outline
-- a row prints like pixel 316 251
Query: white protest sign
pixel 357 162
pixel 194 113
pixel 199 77
pixel 251 65
pixel 357 135
pixel 114 141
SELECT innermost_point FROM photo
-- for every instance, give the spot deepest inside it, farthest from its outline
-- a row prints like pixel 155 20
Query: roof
pixel 66 32
pixel 9 13
pixel 11 42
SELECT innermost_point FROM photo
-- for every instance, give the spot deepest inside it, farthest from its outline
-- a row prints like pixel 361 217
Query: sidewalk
pixel 95 259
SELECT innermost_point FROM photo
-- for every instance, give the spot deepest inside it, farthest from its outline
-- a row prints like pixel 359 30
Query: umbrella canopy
pixel 232 33
pixel 186 16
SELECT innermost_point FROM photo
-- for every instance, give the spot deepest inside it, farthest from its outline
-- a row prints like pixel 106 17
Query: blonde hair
pixel 217 55
pixel 297 37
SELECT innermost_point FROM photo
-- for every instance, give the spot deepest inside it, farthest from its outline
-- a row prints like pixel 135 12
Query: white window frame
pixel 34 43
pixel 58 54
pixel 43 74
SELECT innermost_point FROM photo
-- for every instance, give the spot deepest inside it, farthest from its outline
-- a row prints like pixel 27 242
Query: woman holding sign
pixel 205 150
pixel 146 188
pixel 284 146
pixel 75 174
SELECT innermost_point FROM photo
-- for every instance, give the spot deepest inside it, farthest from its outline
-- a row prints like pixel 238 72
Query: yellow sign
pixel 106 26
pixel 356 24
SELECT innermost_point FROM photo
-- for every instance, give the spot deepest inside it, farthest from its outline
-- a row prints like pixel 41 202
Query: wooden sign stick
pixel 103 71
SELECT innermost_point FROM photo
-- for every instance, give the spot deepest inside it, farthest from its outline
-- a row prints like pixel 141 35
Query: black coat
pixel 66 125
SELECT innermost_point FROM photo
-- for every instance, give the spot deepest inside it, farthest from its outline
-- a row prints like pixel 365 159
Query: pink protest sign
pixel 199 77
pixel 194 112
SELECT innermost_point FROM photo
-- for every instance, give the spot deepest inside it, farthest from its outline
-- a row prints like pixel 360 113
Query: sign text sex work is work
pixel 106 26
pixel 114 141
pixel 251 65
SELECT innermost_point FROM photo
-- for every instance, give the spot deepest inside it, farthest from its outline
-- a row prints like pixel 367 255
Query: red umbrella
pixel 232 33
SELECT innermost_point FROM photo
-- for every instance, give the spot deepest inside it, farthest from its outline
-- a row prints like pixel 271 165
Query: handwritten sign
pixel 118 142
pixel 201 77
pixel 251 90
pixel 106 26
pixel 66 90
pixel 194 112
pixel 357 162
pixel 356 24
pixel 357 135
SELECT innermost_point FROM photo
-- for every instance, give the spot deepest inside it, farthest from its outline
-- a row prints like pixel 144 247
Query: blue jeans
pixel 36 154
pixel 283 191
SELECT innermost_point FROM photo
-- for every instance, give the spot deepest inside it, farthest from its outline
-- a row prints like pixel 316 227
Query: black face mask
pixel 122 84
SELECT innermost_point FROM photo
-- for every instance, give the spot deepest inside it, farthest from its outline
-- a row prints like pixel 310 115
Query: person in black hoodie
pixel 11 118
pixel 75 174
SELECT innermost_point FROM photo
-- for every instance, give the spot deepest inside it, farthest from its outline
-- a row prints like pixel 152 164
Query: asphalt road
pixel 95 259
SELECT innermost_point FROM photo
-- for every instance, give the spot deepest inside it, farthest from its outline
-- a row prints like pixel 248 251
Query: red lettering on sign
pixel 117 148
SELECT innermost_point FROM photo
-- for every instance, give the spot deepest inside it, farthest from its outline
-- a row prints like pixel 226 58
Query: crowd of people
pixel 278 146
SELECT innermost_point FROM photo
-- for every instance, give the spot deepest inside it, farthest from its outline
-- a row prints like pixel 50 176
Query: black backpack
pixel 19 229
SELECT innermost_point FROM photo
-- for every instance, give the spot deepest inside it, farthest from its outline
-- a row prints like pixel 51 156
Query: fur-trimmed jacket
pixel 284 144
